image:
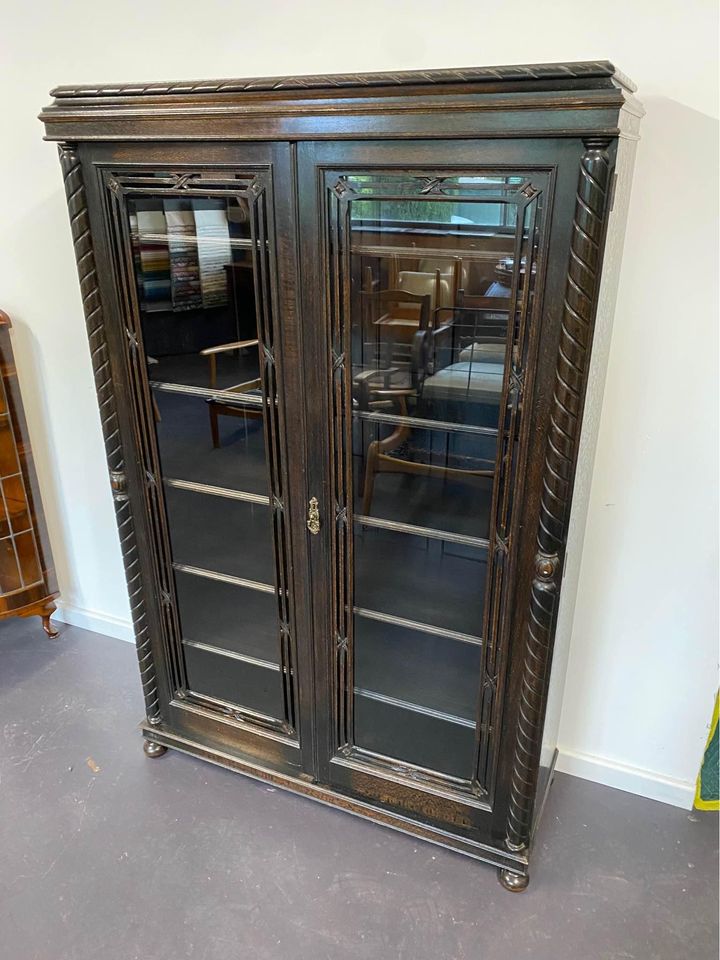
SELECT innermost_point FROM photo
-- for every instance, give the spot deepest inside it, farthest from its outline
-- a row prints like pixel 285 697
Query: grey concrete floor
pixel 106 855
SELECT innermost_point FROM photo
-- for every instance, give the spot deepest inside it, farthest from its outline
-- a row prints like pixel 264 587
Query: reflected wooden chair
pixel 392 316
pixel 459 363
pixel 224 406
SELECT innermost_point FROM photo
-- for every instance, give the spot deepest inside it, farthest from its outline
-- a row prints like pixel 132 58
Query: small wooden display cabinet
pixel 27 578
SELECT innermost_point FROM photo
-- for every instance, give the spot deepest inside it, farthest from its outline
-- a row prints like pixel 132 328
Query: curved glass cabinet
pixel 28 585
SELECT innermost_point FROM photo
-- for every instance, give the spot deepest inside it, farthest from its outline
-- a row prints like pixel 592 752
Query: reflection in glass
pixel 435 270
pixel 196 293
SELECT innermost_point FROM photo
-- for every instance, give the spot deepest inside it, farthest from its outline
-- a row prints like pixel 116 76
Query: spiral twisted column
pixel 561 445
pixel 92 306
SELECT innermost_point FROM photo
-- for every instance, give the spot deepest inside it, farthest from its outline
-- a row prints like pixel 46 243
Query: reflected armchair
pixel 224 406
pixel 456 377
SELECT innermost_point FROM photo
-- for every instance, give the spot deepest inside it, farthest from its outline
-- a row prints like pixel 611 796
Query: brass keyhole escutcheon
pixel 313 520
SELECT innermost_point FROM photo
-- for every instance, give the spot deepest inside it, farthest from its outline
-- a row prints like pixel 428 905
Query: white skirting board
pixel 119 628
pixel 622 776
pixel 610 773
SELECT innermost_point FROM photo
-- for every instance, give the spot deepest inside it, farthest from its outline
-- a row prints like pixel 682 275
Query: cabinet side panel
pixel 607 295
pixel 94 319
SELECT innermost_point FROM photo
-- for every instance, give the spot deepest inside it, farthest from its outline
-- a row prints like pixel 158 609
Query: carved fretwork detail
pixel 183 180
pixel 433 185
pixel 80 225
pixel 501 544
pixel 342 188
pixel 561 445
pixel 517 379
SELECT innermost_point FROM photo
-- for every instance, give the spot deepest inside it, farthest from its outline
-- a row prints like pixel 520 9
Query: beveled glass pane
pixel 422 670
pixel 212 441
pixel 8 454
pixel 436 497
pixel 195 258
pixel 434 297
pixel 435 582
pixel 220 534
pixel 10 578
pixel 16 504
pixel 233 618
pixel 234 681
pixel 416 737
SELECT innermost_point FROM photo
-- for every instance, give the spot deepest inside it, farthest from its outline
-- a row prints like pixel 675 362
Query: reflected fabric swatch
pixel 154 259
pixel 182 246
pixel 211 226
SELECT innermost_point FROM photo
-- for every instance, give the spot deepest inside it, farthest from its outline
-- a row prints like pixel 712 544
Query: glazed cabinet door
pixel 204 350
pixel 427 266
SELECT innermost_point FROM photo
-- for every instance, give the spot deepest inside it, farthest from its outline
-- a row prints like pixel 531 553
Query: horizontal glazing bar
pixel 436 197
pixel 217 491
pixel 249 399
pixel 225 578
pixel 416 625
pixel 191 240
pixel 25 586
pixel 415 707
pixel 413 253
pixel 431 532
pixel 209 648
pixel 422 424
pixel 16 533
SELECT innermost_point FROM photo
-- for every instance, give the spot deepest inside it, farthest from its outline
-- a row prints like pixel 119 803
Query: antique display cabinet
pixel 349 336
pixel 28 586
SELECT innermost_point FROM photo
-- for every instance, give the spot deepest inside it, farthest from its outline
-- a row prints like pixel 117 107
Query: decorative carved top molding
pixel 553 99
pixel 531 73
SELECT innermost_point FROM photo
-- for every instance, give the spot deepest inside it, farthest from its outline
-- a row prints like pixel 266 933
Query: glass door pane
pixel 431 308
pixel 205 357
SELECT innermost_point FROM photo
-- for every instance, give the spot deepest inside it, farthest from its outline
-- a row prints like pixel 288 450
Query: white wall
pixel 643 665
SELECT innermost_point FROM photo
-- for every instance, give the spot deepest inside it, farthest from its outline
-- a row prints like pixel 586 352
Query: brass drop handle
pixel 313 520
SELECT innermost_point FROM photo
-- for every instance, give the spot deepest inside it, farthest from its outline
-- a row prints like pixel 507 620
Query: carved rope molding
pixel 82 241
pixel 500 74
pixel 561 445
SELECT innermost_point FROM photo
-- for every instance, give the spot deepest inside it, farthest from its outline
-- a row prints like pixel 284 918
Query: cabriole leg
pixel 47 626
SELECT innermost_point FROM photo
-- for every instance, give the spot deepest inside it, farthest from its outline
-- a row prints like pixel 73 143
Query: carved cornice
pixel 561 444
pixel 532 73
pixel 80 225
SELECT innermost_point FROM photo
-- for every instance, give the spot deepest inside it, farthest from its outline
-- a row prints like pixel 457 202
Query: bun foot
pixel 514 882
pixel 153 749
